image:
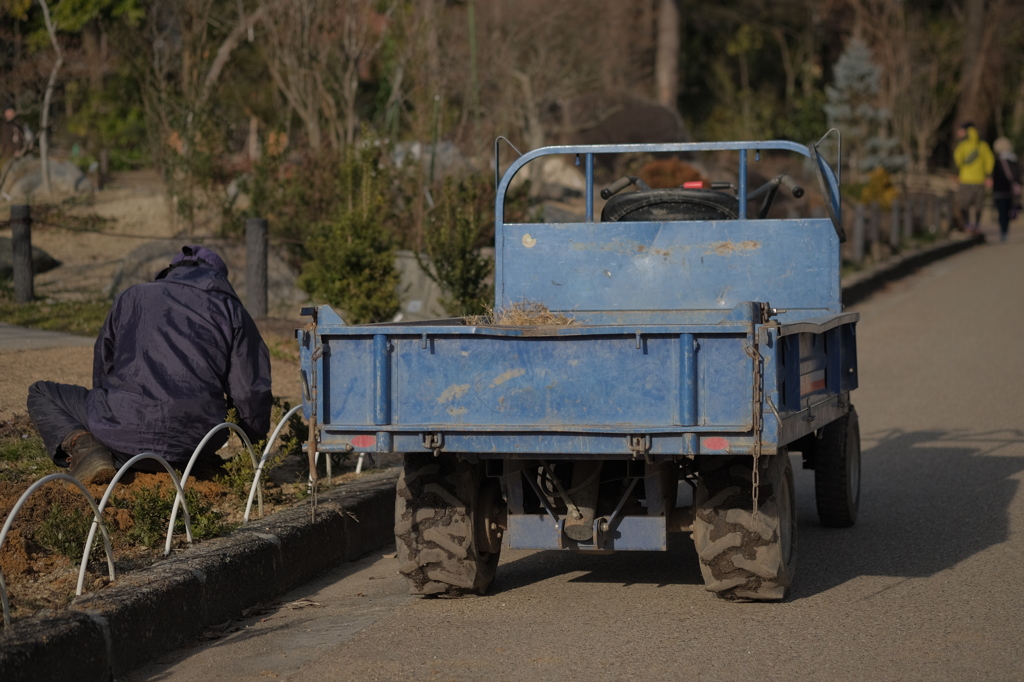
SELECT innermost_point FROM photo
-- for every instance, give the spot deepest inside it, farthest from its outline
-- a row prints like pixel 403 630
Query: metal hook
pixel 497 163
pixel 839 152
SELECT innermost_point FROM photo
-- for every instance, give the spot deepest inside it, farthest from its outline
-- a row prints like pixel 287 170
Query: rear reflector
pixel 364 441
pixel 715 444
pixel 695 184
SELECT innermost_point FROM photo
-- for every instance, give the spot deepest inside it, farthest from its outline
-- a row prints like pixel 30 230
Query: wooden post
pixel 256 266
pixel 908 219
pixel 950 211
pixel 858 234
pixel 21 253
pixel 894 225
pixel 875 231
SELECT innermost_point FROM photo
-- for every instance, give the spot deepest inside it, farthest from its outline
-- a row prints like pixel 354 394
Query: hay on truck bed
pixel 521 314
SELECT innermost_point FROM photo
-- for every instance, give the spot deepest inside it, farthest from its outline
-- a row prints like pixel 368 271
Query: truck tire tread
pixel 746 556
pixel 434 531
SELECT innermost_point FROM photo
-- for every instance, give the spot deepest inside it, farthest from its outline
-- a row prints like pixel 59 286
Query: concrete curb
pixel 859 286
pixel 159 609
pixel 164 607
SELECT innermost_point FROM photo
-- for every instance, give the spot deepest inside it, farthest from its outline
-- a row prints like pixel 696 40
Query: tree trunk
pixel 533 132
pixel 242 29
pixel 474 84
pixel 971 107
pixel 666 60
pixel 787 66
pixel 433 46
pixel 1017 117
pixel 44 120
pixel 94 46
pixel 253 139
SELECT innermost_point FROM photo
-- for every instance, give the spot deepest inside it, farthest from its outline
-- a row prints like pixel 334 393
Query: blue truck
pixel 708 343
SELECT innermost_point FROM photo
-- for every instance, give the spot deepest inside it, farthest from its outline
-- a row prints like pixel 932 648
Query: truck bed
pixel 561 391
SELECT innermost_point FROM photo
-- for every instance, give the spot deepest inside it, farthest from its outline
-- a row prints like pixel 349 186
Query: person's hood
pixel 972 134
pixel 201 256
pixel 199 267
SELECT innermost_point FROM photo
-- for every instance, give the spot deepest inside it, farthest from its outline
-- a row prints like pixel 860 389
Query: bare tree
pixel 181 50
pixel 924 88
pixel 979 31
pixel 547 52
pixel 1016 127
pixel 315 51
pixel 795 28
pixel 919 58
pixel 294 52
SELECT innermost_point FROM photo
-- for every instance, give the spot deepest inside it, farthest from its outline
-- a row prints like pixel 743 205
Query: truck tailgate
pixel 456 380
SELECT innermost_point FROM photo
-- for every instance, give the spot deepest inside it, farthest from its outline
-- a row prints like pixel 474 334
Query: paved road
pixel 20 338
pixel 928 586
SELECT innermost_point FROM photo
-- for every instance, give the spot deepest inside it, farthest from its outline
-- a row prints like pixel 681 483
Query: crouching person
pixel 173 356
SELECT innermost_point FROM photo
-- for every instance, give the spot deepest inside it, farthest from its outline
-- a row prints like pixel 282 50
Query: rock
pixel 144 263
pixel 445 157
pixel 42 261
pixel 25 179
pixel 555 212
pixel 419 296
pixel 619 118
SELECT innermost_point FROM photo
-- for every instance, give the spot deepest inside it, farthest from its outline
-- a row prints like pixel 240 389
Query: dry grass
pixel 521 314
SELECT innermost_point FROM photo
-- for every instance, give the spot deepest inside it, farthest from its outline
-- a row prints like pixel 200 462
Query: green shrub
pixel 65 529
pixel 239 471
pixel 150 508
pixel 352 255
pixel 455 230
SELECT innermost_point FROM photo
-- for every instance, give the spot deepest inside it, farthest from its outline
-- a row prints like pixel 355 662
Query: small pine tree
pixel 852 108
pixel 352 256
pixel 454 232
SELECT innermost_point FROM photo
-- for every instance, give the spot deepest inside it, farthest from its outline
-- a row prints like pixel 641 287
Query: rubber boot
pixel 88 459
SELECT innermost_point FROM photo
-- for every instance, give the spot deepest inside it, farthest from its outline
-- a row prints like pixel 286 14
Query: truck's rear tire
pixel 436 534
pixel 746 556
pixel 837 471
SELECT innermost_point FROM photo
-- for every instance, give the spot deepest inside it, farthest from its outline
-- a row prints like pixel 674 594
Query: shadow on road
pixel 930 499
pixel 676 566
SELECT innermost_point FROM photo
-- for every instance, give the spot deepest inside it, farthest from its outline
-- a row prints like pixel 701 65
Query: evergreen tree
pixel 352 256
pixel 851 106
pixel 455 231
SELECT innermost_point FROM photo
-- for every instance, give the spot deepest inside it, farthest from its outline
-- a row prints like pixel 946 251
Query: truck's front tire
pixel 438 543
pixel 746 556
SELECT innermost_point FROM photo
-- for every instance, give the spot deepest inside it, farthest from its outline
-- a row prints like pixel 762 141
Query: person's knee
pixel 38 389
pixel 38 396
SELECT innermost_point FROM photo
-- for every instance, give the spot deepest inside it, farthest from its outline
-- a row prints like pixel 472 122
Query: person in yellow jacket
pixel 974 161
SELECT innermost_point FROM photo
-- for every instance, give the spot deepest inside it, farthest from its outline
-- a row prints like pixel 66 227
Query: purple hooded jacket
pixel 173 356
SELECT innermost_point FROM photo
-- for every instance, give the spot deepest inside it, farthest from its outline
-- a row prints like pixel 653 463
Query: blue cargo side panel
pixel 347 382
pixel 726 383
pixel 540 381
pixel 575 383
